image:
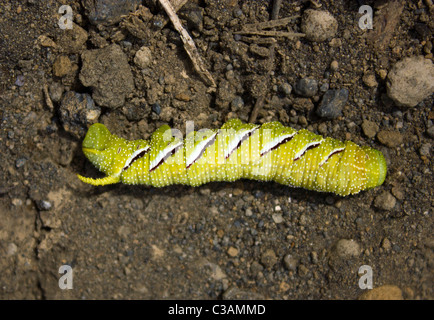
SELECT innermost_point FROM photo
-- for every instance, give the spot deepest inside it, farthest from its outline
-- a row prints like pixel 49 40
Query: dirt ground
pixel 246 239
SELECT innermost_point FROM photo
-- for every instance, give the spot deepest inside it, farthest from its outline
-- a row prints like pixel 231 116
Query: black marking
pixel 137 157
pixel 203 150
pixel 280 143
pixel 245 137
pixel 312 146
pixel 169 154
pixel 331 154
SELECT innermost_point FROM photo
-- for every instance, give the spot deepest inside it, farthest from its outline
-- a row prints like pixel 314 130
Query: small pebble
pixel 369 128
pixel 237 104
pixel 268 258
pixel 277 218
pixel 369 80
pixel 318 25
pixel 385 244
pixel 290 262
pixel 20 162
pixel 232 251
pixel 156 108
pixel 20 81
pixel 12 249
pixel 286 88
pixel 334 66
pixel 410 81
pixel 143 57
pixel 332 103
pixel 62 66
pixel 425 149
pixel 385 201
pixel 324 87
pixel 249 212
pixel 44 205
pixel 306 87
pixel 390 139
pixel 347 248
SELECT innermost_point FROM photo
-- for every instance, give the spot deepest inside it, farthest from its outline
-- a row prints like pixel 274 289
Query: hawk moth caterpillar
pixel 267 152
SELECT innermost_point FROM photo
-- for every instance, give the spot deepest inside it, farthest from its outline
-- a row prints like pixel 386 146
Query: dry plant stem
pixel 189 45
pixel 258 106
pixel 48 98
pixel 272 33
pixel 177 5
pixel 276 9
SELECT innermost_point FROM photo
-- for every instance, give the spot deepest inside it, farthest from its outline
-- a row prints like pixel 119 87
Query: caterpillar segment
pixel 267 152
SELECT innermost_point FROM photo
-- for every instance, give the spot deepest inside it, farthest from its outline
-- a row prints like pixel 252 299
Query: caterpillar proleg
pixel 267 152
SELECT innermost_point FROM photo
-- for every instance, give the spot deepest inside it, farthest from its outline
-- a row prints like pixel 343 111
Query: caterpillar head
pixel 109 153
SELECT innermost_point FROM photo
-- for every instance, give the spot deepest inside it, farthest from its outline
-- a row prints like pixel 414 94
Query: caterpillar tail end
pixel 99 182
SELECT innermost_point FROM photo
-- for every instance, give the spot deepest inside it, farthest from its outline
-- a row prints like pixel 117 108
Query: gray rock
pixel 347 249
pixel 143 57
pixel 62 66
pixel 410 81
pixel 318 25
pixel 332 103
pixel 286 88
pixel 391 139
pixel 385 201
pixel 108 11
pixel 306 87
pixel 44 205
pixel 237 104
pixel 425 149
pixel 277 218
pixel 290 262
pixel 369 128
pixel 11 249
pixel 77 111
pixel 20 162
pixel 193 14
pixel 156 108
pixel 56 90
pixel 268 258
pixel 20 80
pixel 108 73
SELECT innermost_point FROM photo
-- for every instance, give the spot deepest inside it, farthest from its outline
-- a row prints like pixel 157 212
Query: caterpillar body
pixel 267 152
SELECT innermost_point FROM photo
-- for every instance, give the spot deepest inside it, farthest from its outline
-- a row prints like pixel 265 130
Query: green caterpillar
pixel 268 152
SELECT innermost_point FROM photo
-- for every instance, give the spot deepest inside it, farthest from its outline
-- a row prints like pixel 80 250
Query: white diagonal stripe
pixel 163 153
pixel 275 142
pixel 135 153
pixel 198 150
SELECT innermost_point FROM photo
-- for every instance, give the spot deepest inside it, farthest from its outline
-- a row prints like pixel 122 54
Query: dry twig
pixel 189 45
pixel 48 98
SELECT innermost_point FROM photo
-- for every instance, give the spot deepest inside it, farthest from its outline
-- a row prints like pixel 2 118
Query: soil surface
pixel 246 239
